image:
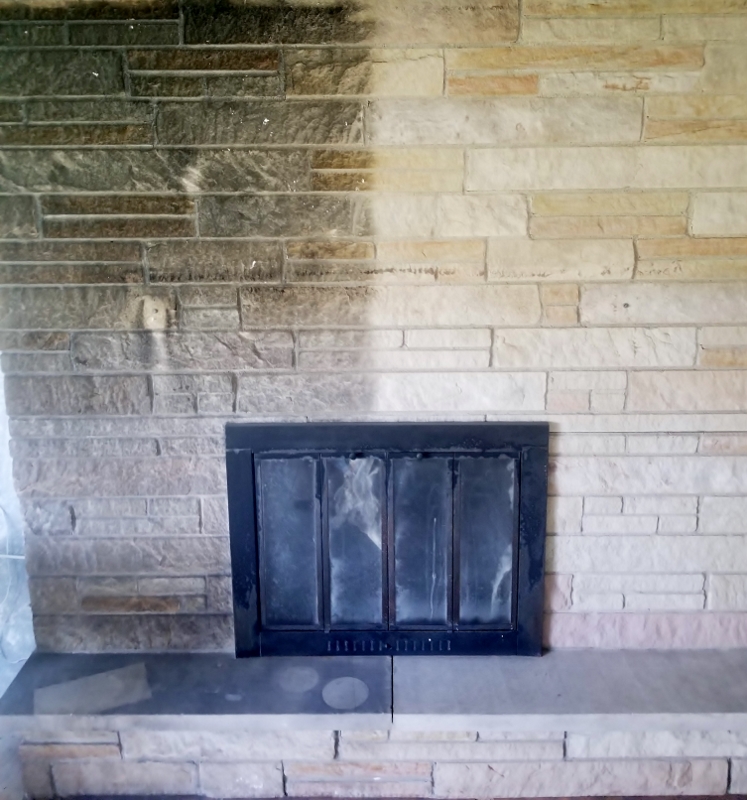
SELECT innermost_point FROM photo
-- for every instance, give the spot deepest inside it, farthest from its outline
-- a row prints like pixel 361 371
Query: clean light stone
pixel 720 214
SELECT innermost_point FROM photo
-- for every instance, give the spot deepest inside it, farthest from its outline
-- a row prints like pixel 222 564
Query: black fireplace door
pixel 385 545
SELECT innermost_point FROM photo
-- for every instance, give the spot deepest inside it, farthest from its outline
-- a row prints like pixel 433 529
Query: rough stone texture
pixel 120 777
pixel 580 778
pixel 241 780
pixel 382 210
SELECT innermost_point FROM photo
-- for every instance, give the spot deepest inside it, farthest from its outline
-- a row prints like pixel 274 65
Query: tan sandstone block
pixel 599 168
pixel 575 56
pixel 699 269
pixel 346 789
pixel 358 770
pixel 651 630
pixel 595 347
pixel 107 777
pixel 727 593
pixel 698 106
pixel 725 69
pixel 675 131
pixel 560 316
pixel 606 227
pixel 579 83
pixel 687 391
pixel 624 8
pixel 657 744
pixel 490 85
pixel 451 751
pixel 676 28
pixel 525 259
pixel 720 214
pixel 686 246
pixel 610 203
pixel 241 780
pixel 580 778
pixel 654 303
pixel 559 294
pixel 591 31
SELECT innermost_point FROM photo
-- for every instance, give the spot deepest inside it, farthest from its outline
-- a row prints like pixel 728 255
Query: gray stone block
pixel 17 217
pixel 25 35
pixel 53 595
pixel 99 110
pixel 127 557
pixel 100 633
pixel 241 780
pixel 42 395
pixel 261 122
pixel 48 517
pixel 60 72
pixel 112 777
pixel 82 307
pixel 124 33
pixel 182 350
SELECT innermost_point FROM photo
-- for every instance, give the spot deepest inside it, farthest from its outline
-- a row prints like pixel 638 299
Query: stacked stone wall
pixel 375 210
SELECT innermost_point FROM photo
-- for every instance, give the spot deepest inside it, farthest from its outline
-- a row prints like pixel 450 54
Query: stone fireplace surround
pixel 379 211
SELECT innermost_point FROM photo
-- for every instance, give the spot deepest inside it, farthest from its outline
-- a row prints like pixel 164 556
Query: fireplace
pixel 387 538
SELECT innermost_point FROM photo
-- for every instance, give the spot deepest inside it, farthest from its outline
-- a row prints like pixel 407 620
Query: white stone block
pixel 451 338
pixel 586 444
pixel 664 304
pixel 619 524
pixel 138 745
pixel 658 744
pixel 246 779
pixel 455 391
pixel 678 523
pixel 602 505
pixel 638 475
pixel 719 214
pixel 632 583
pixel 506 120
pixel 108 777
pixel 558 590
pixel 640 81
pixel 597 601
pixel 738 783
pixel 564 514
pixel 452 751
pixel 481 215
pixel 727 592
pixel 723 515
pixel 593 31
pixel 660 505
pixel 595 347
pixel 648 554
pixel 597 381
pixel 664 602
pixel 646 167
pixel 568 779
pixel 346 789
pixel 670 443
pixel 697 28
pixel 560 259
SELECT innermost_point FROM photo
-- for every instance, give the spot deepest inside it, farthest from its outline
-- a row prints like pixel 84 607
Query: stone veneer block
pixel 657 744
pixel 598 168
pixel 581 778
pixel 511 120
pixel 242 780
pixel 720 214
pixel 702 390
pixel 120 777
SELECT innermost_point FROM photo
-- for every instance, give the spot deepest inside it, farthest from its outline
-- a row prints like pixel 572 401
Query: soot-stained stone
pixel 100 110
pixel 17 219
pixel 276 215
pixel 24 35
pixel 20 274
pixel 125 33
pixel 160 60
pixel 81 307
pixel 93 9
pixel 73 394
pixel 328 71
pixel 13 252
pixel 93 170
pixel 149 632
pixel 265 122
pixel 304 394
pixel 44 135
pixel 60 72
pixel 176 262
pixel 34 340
pixel 223 21
pixel 117 228
pixel 11 112
pixel 182 350
pixel 304 305
pixel 117 204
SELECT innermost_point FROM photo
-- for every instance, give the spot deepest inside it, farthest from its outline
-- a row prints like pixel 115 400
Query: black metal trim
pixel 527 442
